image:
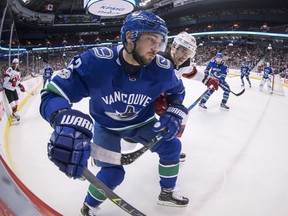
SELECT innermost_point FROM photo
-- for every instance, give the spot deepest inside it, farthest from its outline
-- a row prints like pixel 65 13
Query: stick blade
pixel 240 93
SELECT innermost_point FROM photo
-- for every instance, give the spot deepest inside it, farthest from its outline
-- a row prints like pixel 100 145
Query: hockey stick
pixel 189 109
pixel 29 93
pixel 104 155
pixel 107 192
pixel 228 89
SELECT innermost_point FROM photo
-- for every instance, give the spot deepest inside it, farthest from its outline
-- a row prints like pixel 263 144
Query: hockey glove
pixel 171 121
pixel 210 81
pixel 14 81
pixel 69 146
pixel 22 89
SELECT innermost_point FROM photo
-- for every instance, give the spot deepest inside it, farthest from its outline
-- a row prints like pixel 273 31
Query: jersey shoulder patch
pixel 103 52
pixel 162 62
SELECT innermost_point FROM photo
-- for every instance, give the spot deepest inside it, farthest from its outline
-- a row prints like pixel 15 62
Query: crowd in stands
pixel 233 56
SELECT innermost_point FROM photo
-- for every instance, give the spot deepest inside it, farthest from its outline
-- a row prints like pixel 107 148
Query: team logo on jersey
pixel 103 52
pixel 65 74
pixel 128 114
pixel 163 62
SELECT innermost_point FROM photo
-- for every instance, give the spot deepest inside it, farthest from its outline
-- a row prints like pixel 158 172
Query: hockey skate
pixel 168 197
pixel 87 210
pixel 182 157
pixel 15 117
pixel 202 105
pixel 224 106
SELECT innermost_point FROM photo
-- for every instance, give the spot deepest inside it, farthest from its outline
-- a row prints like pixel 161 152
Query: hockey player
pixel 267 77
pixel 245 72
pixel 183 49
pixel 122 83
pixel 218 69
pixel 11 83
pixel 47 74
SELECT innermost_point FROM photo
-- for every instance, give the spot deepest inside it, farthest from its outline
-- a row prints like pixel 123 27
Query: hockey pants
pixel 262 83
pixel 113 175
pixel 211 91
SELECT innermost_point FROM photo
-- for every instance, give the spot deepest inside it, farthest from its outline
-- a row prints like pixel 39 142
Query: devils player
pixel 181 53
pixel 11 83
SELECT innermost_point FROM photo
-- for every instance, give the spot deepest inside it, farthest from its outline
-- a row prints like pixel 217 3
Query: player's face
pixel 218 60
pixel 16 65
pixel 181 54
pixel 148 45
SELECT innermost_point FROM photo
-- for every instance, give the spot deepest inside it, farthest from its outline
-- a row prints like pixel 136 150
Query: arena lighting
pixel 172 36
pixel 110 8
pixel 12 49
pixel 69 47
pixel 238 33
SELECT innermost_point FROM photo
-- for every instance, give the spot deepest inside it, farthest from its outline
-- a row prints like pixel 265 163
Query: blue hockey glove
pixel 171 121
pixel 69 147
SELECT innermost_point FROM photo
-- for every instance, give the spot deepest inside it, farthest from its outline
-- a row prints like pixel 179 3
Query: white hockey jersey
pixel 9 75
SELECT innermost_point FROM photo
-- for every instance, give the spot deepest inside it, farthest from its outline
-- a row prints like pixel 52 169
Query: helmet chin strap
pixel 135 55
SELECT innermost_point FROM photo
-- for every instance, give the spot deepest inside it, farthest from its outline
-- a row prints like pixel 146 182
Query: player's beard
pixel 141 59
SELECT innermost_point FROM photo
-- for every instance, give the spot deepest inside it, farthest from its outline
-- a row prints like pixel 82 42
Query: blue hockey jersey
pixel 48 72
pixel 244 70
pixel 116 102
pixel 219 71
pixel 267 73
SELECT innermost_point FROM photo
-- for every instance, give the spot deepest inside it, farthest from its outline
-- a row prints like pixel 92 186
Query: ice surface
pixel 237 163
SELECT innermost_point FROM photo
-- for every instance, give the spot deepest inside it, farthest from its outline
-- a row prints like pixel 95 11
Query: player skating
pixel 47 75
pixel 267 77
pixel 245 72
pixel 218 69
pixel 11 83
pixel 122 84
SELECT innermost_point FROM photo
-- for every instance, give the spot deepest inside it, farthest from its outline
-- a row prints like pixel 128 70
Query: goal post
pixel 277 86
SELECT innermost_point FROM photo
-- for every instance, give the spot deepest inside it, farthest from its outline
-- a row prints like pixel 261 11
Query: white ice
pixel 237 160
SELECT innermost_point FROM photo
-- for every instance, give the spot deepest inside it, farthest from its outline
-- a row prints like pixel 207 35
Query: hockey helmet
pixel 15 61
pixel 219 55
pixel 143 21
pixel 186 40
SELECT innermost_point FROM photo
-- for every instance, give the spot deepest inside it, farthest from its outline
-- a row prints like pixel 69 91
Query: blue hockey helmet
pixel 219 55
pixel 143 21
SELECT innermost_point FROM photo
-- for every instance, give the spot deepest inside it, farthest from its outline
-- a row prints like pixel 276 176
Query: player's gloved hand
pixel 14 81
pixel 171 121
pixel 69 146
pixel 210 81
pixel 160 105
pixel 22 88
